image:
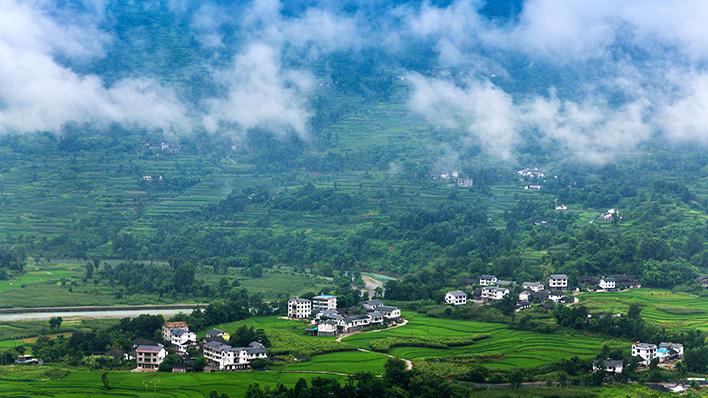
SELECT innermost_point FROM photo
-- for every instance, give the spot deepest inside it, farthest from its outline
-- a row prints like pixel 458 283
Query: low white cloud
pixel 39 93
pixel 485 112
pixel 261 94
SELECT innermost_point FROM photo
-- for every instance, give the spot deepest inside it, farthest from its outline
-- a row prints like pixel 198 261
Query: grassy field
pixel 505 348
pixel 663 307
pixel 51 382
pixel 41 286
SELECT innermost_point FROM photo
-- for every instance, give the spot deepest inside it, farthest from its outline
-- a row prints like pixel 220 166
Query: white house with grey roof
pixel 224 357
pixel 178 335
pixel 456 297
pixel 299 308
pixel 390 313
pixel 148 357
pixel 608 366
pixel 371 305
pixel 533 286
pixel 487 280
pixel 494 293
pixel 645 351
pixel 558 281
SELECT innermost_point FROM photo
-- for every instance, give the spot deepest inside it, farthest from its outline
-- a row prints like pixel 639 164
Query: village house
pixel 327 328
pixel 530 173
pixel 558 281
pixel 465 182
pixel 702 280
pixel 533 286
pixel 524 295
pixel 352 323
pixel 494 293
pixel 148 357
pixel 224 357
pixel 555 296
pixel 522 305
pixel 376 318
pixel 324 302
pixel 28 360
pixel 487 280
pixel 669 351
pixel 328 314
pixel 561 207
pixel 645 351
pixel 217 334
pixel 456 297
pixel 371 305
pixel 626 281
pixel 178 335
pixel 608 365
pixel 611 214
pixel 533 187
pixel 299 308
pixel 389 313
pixel 607 283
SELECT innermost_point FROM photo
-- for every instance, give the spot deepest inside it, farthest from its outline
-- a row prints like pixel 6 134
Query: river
pixel 32 314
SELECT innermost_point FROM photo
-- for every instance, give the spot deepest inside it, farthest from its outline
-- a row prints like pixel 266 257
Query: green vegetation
pixel 55 382
pixel 505 348
pixel 672 310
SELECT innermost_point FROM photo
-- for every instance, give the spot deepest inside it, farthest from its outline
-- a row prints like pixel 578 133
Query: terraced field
pixel 505 348
pixel 48 382
pixel 663 307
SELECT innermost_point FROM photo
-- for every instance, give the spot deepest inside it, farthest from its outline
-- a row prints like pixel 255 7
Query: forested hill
pixel 353 136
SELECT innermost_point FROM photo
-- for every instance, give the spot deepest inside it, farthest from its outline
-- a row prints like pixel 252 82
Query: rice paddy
pixel 674 311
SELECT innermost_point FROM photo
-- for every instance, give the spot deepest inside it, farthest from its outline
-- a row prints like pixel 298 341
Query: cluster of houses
pixel 327 321
pixel 533 173
pixel 611 215
pixel 456 176
pixel 610 283
pixel 492 289
pixel 149 178
pixel 645 353
pixel 163 146
pixel 218 354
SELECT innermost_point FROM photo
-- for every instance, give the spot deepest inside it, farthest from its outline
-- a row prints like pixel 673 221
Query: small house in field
pixel 608 366
pixel 456 297
pixel 669 351
pixel 465 182
pixel 533 187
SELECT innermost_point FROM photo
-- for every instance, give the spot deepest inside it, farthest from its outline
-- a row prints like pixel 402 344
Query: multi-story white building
pixel 178 335
pixel 299 308
pixel 494 293
pixel 558 281
pixel 487 280
pixel 607 283
pixel 224 357
pixel 645 351
pixel 149 356
pixel 533 286
pixel 456 297
pixel 324 302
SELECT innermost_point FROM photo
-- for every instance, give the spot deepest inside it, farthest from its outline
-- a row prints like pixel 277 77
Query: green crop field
pixel 663 307
pixel 51 382
pixel 505 348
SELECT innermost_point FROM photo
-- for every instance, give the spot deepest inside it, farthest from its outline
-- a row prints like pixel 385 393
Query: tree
pixel 395 373
pixel 696 359
pixel 170 361
pixel 516 377
pixel 55 322
pixel 106 382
